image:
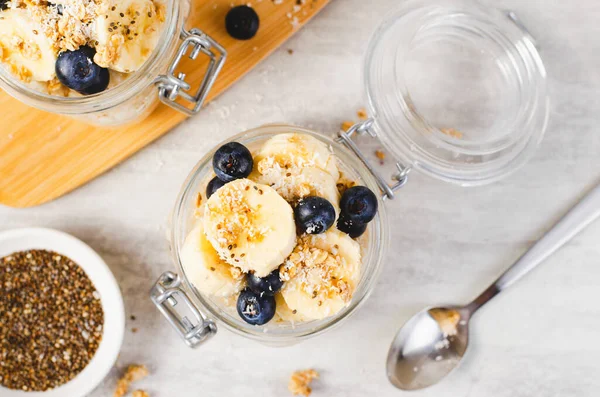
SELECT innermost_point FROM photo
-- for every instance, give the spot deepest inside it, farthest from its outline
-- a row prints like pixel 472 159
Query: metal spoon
pixel 432 343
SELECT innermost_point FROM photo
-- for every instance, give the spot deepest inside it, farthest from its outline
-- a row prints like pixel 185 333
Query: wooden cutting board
pixel 43 156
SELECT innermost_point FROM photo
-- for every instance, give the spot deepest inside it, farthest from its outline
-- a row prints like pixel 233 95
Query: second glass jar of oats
pixel 129 51
pixel 455 90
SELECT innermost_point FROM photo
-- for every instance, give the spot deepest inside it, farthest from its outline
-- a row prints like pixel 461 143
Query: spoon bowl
pixel 428 347
pixel 431 344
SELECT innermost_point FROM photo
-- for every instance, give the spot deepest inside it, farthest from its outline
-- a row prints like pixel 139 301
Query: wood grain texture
pixel 43 156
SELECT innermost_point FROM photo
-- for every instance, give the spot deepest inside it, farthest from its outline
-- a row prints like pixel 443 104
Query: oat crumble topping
pixel 55 87
pixel 447 319
pixel 235 216
pixel 68 31
pixel 344 184
pixel 109 53
pixel 300 382
pixel 303 157
pixel 290 181
pixel 316 270
pixel 21 72
pixel 134 373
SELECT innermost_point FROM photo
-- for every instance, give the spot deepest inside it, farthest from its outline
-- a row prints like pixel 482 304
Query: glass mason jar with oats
pixel 456 91
pixel 104 62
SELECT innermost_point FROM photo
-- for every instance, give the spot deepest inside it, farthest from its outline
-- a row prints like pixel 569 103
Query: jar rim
pixel 414 139
pixel 134 82
pixel 377 241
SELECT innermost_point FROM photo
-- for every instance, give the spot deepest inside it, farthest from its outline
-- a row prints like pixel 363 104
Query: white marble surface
pixel 540 338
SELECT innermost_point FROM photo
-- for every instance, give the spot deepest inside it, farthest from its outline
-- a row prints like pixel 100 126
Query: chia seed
pixel 51 320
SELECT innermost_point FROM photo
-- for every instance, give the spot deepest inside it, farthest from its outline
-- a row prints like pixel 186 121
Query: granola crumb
pixel 362 114
pixel 290 51
pixel 454 133
pixel 134 330
pixel 199 200
pixel 447 319
pixel 300 382
pixel 311 269
pixel 344 184
pixel 346 125
pixel 121 390
pixel 380 155
pixel 139 393
pixel 134 373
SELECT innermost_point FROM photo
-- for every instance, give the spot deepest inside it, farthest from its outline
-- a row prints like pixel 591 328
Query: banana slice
pixel 321 274
pixel 284 313
pixel 295 151
pixel 310 181
pixel 127 32
pixel 250 225
pixel 205 269
pixel 28 53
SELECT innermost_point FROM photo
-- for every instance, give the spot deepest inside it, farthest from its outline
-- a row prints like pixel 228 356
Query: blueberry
pixel 242 22
pixel 351 228
pixel 213 186
pixel 359 204
pixel 232 161
pixel 77 70
pixel 254 308
pixel 267 285
pixel 314 215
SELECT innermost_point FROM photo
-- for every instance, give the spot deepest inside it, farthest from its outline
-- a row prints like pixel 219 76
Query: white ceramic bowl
pixel 110 295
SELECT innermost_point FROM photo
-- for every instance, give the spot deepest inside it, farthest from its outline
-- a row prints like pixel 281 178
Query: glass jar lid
pixel 457 90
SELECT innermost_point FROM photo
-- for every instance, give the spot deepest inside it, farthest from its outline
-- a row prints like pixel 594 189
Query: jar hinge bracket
pixel 172 86
pixel 400 178
pixel 168 296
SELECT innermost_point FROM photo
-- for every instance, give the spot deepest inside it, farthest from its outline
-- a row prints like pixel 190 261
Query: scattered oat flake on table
pixel 134 373
pixel 454 133
pixel 295 23
pixel 122 387
pixel 139 393
pixel 346 125
pixel 362 114
pixel 300 382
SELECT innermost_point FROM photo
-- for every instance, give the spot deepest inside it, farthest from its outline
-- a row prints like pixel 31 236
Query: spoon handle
pixel 580 216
